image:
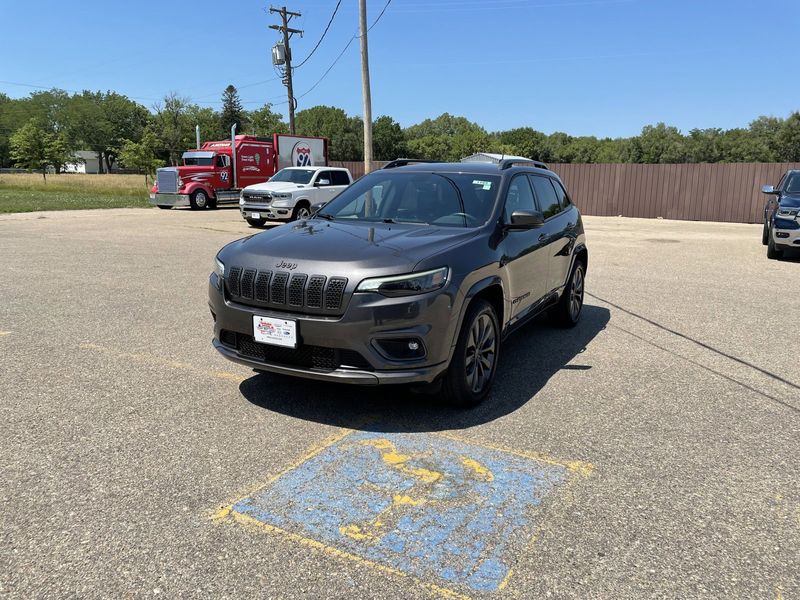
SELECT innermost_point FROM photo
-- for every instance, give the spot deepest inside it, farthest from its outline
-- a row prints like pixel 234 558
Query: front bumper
pixel 268 212
pixel 158 199
pixel 367 318
pixel 789 238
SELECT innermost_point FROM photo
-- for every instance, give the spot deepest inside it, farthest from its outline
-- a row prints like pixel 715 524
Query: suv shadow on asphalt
pixel 528 359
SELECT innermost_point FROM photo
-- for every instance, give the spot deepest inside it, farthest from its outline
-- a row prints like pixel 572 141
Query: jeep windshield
pixel 301 176
pixel 443 199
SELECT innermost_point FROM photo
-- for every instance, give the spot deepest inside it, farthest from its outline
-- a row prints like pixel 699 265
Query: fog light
pixel 781 234
pixel 401 348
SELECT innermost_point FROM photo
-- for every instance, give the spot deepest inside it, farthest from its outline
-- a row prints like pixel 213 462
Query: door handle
pixel 570 225
pixel 543 236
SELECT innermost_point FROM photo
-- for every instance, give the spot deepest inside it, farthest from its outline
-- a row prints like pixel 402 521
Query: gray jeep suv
pixel 413 275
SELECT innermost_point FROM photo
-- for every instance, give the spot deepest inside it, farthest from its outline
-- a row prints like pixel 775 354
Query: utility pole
pixel 365 88
pixel 286 16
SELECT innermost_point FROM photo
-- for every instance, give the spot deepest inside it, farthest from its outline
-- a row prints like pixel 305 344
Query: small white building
pixel 86 161
pixel 491 157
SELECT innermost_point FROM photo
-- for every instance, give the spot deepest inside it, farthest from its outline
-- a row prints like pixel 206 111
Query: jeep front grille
pixel 282 290
pixel 167 180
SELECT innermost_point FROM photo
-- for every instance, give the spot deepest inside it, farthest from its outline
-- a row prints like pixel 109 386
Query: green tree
pixel 658 144
pixel 525 141
pixel 788 139
pixel 172 126
pixel 447 137
pixel 210 127
pixel 388 141
pixel 344 133
pixel 35 146
pixel 141 155
pixel 232 111
pixel 265 122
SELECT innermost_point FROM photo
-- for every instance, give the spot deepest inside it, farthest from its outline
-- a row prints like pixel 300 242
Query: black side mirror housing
pixel 526 219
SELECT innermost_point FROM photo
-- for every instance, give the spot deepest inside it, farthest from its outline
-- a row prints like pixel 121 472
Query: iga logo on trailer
pixel 301 155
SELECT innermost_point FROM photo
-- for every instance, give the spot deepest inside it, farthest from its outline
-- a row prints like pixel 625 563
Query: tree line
pixel 45 129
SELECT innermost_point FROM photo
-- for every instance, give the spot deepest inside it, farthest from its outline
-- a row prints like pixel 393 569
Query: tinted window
pixel 562 195
pixel 519 196
pixel 792 184
pixel 326 175
pixel 546 196
pixel 446 199
pixel 294 175
pixel 339 178
pixel 194 161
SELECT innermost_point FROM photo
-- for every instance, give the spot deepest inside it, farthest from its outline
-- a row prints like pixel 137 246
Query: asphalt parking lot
pixel 650 452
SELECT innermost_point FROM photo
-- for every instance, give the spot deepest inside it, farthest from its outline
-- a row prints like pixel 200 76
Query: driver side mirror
pixel 769 189
pixel 526 219
pixel 323 182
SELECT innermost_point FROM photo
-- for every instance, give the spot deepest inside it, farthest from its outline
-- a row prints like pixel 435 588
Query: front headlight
pixel 179 183
pixel 219 267
pixel 406 285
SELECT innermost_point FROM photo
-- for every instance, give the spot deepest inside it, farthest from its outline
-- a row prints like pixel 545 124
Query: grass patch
pixel 27 192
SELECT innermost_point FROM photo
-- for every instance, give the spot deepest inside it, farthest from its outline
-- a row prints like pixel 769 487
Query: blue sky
pixel 586 67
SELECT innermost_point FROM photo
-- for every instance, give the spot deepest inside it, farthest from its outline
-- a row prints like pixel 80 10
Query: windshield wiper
pixel 325 216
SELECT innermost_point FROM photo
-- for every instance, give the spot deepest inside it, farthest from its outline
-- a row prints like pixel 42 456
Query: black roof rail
pixel 402 162
pixel 507 163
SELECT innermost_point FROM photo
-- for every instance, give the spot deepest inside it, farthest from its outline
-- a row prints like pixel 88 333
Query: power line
pixel 328 26
pixel 375 22
pixel 336 60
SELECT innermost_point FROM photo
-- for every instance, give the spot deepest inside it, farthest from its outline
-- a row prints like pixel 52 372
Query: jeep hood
pixel 352 250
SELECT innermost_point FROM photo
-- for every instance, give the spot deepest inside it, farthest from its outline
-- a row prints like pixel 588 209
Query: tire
pixel 466 383
pixel 199 200
pixel 256 222
pixel 568 311
pixel 773 252
pixel 302 210
pixel 164 207
pixel 765 234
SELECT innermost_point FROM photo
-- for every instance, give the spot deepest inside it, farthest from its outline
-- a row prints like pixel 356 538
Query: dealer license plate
pixel 278 332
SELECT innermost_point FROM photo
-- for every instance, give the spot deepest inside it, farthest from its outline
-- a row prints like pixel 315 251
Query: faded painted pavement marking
pixel 428 506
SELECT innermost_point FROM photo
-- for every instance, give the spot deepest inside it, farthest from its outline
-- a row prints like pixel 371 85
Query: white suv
pixel 291 192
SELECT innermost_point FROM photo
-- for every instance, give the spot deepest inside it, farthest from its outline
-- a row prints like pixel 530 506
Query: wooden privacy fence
pixel 729 192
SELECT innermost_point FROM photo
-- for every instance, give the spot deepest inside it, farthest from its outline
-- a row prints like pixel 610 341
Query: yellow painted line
pixel 398 461
pixel 2 333
pixel 146 357
pixel 504 583
pixel 337 553
pixel 481 471
pixel 584 469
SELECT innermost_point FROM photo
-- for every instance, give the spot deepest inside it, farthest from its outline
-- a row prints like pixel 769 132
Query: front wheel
pixel 256 222
pixel 765 234
pixel 301 211
pixel 468 379
pixel 773 252
pixel 568 311
pixel 199 200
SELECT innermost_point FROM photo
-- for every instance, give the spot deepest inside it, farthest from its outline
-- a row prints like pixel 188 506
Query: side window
pixel 519 197
pixel 324 175
pixel 339 178
pixel 546 196
pixel 563 200
pixel 222 160
pixel 780 183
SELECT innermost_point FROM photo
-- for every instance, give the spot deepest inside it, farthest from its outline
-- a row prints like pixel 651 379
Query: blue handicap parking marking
pixel 428 505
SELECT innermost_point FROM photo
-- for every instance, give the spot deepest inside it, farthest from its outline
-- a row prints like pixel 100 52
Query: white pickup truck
pixel 290 193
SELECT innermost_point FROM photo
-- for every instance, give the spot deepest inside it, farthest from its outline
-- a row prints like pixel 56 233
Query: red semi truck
pixel 216 172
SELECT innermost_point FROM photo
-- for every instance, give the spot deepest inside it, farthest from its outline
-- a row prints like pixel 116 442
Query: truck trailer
pixel 216 171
